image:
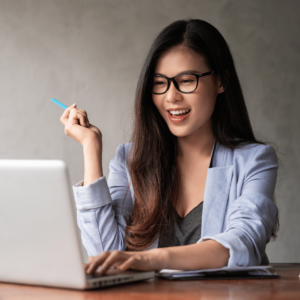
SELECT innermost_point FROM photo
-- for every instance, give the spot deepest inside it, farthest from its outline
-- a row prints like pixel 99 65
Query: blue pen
pixel 58 103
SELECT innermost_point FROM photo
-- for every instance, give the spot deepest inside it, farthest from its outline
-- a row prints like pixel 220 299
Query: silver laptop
pixel 39 238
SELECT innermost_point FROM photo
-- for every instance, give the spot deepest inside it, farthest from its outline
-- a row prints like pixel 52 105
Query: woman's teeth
pixel 179 112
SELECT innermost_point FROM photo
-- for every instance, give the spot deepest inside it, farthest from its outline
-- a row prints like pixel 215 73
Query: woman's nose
pixel 172 94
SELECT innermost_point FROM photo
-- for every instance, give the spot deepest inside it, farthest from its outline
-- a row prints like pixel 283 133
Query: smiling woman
pixel 194 188
pixel 197 91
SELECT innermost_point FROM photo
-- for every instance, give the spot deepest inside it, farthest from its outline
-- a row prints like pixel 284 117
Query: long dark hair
pixel 152 159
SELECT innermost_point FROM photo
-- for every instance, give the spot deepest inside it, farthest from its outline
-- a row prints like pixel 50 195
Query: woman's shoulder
pixel 254 148
pixel 120 159
pixel 123 150
pixel 254 153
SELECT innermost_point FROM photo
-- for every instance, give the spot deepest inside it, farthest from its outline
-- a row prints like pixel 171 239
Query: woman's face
pixel 199 103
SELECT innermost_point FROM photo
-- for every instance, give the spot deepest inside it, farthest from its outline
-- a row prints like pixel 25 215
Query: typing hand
pixel 123 260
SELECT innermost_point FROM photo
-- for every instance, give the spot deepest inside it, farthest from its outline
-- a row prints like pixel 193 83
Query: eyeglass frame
pixel 175 83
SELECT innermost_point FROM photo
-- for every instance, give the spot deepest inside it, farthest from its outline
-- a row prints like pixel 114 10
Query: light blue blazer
pixel 238 211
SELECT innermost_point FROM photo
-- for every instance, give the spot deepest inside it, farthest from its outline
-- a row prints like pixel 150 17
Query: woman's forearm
pixel 204 255
pixel 92 153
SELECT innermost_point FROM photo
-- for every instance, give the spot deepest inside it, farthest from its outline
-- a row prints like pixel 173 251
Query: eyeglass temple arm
pixel 204 74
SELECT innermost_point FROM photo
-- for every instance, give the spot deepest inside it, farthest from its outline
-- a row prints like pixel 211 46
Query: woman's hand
pixel 77 125
pixel 151 260
pixel 207 254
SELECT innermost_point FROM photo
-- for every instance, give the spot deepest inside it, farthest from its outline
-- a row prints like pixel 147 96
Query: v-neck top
pixel 186 230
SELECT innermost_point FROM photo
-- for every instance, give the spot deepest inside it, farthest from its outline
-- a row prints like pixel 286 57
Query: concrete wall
pixel 91 52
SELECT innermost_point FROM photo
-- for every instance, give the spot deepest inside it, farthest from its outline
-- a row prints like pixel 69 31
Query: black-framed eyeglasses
pixel 184 83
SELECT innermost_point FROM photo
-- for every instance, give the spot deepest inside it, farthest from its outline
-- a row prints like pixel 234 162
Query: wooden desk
pixel 288 287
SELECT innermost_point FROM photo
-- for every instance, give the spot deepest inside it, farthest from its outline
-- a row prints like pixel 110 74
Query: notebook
pixel 254 272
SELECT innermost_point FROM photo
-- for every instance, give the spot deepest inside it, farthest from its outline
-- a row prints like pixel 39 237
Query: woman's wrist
pixel 92 153
pixel 160 258
pixel 92 140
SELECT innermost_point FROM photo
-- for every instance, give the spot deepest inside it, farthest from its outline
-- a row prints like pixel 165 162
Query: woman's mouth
pixel 178 115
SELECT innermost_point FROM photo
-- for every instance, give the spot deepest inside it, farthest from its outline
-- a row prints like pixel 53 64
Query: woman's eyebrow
pixel 181 73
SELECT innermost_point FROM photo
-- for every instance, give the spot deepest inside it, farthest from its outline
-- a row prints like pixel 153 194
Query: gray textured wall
pixel 71 49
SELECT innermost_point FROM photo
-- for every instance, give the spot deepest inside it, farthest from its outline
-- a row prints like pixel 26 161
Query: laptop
pixel 39 239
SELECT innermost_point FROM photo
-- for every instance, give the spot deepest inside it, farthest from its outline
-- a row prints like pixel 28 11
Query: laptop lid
pixel 40 243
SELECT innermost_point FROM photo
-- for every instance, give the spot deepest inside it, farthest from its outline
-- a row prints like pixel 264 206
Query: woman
pixel 194 187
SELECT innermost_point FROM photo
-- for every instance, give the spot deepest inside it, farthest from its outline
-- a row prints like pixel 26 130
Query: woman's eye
pixel 187 81
pixel 159 82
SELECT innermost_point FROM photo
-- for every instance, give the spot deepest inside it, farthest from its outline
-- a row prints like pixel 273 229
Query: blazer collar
pixel 218 182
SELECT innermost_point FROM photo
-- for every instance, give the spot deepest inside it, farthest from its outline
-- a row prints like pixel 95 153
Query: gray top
pixel 186 230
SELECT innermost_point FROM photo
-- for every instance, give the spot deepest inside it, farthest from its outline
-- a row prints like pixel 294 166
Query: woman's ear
pixel 222 85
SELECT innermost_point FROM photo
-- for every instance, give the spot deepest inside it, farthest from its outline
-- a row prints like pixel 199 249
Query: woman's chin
pixel 180 133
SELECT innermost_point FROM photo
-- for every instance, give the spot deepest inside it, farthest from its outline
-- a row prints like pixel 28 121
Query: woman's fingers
pixel 114 258
pixel 142 261
pixel 75 115
pixel 85 266
pixel 96 262
pixel 85 115
pixel 83 111
pixel 128 264
pixel 78 127
pixel 72 115
pixel 65 116
pixel 106 260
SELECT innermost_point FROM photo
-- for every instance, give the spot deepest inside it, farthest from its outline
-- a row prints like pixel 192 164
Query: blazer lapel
pixel 218 182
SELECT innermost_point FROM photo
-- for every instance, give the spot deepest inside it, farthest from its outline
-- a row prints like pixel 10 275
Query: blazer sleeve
pixel 101 209
pixel 252 217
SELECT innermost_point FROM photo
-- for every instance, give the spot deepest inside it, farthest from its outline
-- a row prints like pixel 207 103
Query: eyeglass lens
pixel 185 83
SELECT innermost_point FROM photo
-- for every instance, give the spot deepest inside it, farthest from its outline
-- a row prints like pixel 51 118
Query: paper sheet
pixel 253 270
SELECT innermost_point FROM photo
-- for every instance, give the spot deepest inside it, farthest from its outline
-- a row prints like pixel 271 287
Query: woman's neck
pixel 196 145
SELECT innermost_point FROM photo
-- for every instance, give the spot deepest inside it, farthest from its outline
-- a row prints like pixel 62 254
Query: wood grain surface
pixel 288 287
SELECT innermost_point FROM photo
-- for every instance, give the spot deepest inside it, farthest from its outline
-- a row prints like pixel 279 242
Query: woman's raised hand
pixel 77 125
